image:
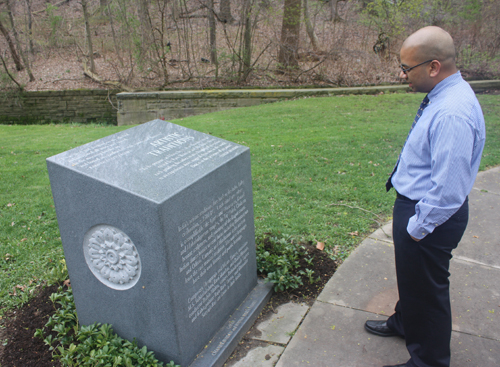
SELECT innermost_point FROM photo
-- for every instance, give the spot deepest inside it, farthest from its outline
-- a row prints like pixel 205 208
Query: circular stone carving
pixel 112 257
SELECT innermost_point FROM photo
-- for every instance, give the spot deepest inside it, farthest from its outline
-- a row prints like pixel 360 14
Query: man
pixel 433 177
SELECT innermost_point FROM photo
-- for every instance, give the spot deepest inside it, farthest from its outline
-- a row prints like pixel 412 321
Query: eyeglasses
pixel 407 70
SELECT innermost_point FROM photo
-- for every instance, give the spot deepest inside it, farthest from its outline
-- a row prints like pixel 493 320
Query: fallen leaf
pixel 475 236
pixel 10 204
pixel 355 233
pixel 24 239
pixel 320 246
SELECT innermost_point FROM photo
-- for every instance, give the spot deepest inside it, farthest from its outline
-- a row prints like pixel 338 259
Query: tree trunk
pixel 30 27
pixel 9 74
pixel 115 41
pixel 334 14
pixel 246 43
pixel 145 24
pixel 310 27
pixel 225 12
pixel 89 37
pixel 212 25
pixel 12 48
pixel 290 30
pixel 18 44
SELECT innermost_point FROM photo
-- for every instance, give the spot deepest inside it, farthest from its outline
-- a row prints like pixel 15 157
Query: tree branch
pixel 8 73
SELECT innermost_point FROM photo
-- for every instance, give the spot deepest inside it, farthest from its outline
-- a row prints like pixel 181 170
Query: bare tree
pixel 310 27
pixel 19 86
pixel 30 26
pixel 12 48
pixel 334 13
pixel 144 18
pixel 161 46
pixel 225 12
pixel 290 31
pixel 246 44
pixel 113 33
pixel 89 34
pixel 212 25
pixel 18 43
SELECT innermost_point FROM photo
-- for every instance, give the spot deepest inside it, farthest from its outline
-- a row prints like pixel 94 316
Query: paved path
pixel 364 287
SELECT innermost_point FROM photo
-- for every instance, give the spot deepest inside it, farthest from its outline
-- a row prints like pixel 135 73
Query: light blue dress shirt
pixel 439 163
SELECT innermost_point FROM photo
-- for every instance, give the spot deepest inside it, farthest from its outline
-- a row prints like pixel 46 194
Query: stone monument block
pixel 157 227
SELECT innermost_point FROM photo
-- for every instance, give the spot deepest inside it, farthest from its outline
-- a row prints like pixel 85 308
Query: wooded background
pixel 166 44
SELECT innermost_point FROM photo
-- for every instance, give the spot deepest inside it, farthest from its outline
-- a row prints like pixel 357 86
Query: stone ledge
pixel 259 93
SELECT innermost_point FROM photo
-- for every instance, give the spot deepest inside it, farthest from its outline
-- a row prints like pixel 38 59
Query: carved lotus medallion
pixel 112 257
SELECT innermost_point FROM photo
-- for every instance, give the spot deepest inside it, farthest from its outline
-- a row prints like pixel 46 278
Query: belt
pixel 402 197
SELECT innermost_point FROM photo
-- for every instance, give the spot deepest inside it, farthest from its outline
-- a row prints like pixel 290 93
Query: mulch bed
pixel 24 350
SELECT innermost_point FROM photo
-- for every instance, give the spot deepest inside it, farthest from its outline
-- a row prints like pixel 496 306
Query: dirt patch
pixel 22 348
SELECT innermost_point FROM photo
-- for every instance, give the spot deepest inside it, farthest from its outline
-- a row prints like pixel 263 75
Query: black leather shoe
pixel 397 365
pixel 379 328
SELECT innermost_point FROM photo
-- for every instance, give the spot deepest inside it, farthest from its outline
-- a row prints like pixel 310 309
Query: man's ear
pixel 435 68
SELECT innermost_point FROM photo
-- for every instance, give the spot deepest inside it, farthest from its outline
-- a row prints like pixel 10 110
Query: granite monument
pixel 157 228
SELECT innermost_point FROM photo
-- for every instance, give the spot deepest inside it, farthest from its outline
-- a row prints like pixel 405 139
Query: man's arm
pixel 452 144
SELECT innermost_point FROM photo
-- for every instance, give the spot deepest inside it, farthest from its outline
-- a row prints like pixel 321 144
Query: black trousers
pixel 423 312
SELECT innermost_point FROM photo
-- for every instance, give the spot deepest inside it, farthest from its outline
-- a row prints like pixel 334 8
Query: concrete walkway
pixel 364 287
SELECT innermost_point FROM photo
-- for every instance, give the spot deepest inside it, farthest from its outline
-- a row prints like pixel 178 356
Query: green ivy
pixel 94 345
pixel 278 260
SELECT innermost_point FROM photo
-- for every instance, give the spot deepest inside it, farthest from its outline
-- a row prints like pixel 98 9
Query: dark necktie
pixel 424 104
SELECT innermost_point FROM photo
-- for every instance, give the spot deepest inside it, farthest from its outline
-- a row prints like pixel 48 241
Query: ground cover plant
pixel 92 345
pixel 318 165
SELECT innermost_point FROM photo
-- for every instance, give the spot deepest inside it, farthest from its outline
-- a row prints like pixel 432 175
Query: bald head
pixel 432 43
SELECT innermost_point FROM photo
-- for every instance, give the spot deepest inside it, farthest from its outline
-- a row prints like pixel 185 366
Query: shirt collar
pixel 445 83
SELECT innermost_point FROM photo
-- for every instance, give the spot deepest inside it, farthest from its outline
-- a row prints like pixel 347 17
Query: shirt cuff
pixel 415 229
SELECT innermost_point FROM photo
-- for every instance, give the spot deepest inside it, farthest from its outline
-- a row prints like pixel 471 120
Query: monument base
pixel 227 338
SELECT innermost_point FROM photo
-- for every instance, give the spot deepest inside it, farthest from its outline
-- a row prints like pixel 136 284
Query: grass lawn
pixel 319 166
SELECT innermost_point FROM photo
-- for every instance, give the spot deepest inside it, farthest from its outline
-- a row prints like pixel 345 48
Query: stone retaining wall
pixel 135 108
pixel 82 106
pixel 103 106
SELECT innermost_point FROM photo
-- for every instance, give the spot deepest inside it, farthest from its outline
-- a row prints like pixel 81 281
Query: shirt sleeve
pixel 451 143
